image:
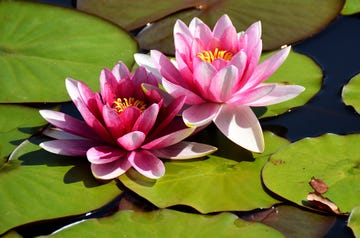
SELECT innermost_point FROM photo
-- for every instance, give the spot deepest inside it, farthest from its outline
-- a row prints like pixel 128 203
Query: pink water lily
pixel 124 126
pixel 219 73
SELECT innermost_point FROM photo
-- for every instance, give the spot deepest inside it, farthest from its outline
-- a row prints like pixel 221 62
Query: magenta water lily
pixel 124 126
pixel 220 73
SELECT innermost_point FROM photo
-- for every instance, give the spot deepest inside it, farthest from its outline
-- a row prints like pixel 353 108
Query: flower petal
pixel 279 94
pixel 200 30
pixel 221 25
pixel 185 150
pixel 240 125
pixel 222 84
pixel 147 164
pixel 248 97
pixel 169 139
pixel 68 147
pixel 120 71
pixel 178 91
pixel 132 140
pixel 68 124
pixel 265 69
pixel 108 84
pixel 147 62
pixel 111 170
pixel 147 119
pixel 200 114
pixel 104 154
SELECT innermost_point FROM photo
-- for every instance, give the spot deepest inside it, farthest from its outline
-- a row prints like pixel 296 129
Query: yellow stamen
pixel 122 103
pixel 210 56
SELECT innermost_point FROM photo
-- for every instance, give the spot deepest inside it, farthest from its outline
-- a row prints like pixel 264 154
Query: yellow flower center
pixel 210 56
pixel 122 103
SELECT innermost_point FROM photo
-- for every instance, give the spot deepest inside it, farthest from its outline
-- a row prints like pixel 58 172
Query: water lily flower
pixel 219 73
pixel 124 126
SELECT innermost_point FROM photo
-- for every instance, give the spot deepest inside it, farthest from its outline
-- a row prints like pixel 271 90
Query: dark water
pixel 336 49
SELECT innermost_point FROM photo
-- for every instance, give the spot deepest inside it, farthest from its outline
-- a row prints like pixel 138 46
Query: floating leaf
pixel 41 45
pixel 36 185
pixel 351 93
pixel 332 158
pixel 284 21
pixel 17 123
pixel 300 70
pixel 213 184
pixel 168 223
pixel 294 222
pixel 354 221
pixel 351 7
pixel 322 203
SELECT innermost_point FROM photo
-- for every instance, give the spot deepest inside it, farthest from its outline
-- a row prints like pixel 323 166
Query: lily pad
pixel 300 70
pixel 351 93
pixel 17 123
pixel 351 7
pixel 354 221
pixel 284 21
pixel 36 185
pixel 168 223
pixel 332 158
pixel 212 184
pixel 41 45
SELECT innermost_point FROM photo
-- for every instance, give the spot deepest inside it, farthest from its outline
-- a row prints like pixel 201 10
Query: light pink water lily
pixel 124 126
pixel 219 73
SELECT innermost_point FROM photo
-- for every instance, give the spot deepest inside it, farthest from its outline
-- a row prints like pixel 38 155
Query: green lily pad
pixel 37 185
pixel 331 158
pixel 351 93
pixel 354 221
pixel 284 21
pixel 17 123
pixel 212 184
pixel 351 7
pixel 297 69
pixel 41 45
pixel 168 223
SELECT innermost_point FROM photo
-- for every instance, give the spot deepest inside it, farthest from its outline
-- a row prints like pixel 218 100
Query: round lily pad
pixel 297 69
pixel 168 223
pixel 333 159
pixel 36 185
pixel 41 45
pixel 17 123
pixel 351 93
pixel 212 184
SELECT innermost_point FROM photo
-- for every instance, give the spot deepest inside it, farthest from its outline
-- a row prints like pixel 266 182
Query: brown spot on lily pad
pixel 318 185
pixel 319 202
pixel 278 162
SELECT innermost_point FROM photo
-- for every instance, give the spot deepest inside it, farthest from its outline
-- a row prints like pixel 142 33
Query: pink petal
pixel 59 134
pixel 108 84
pixel 120 71
pixel 248 97
pixel 68 124
pixel 200 114
pixel 185 150
pixel 111 170
pixel 166 68
pixel 147 119
pixel 147 62
pixel 88 116
pixel 240 125
pixel 203 74
pixel 178 91
pixel 200 30
pixel 119 125
pixel 280 93
pixel 221 25
pixel 169 139
pixel 104 154
pixel 265 69
pixel 181 29
pixel 132 140
pixel 147 164
pixel 223 83
pixel 149 89
pixel 68 147
pixel 253 34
